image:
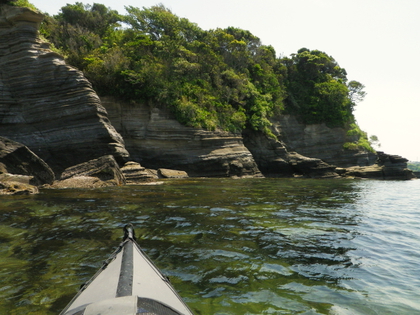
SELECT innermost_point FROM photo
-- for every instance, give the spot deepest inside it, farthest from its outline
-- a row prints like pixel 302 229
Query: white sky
pixel 376 41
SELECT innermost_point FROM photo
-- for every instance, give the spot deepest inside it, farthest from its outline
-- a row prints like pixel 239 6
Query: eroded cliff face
pixel 157 140
pixel 320 141
pixel 52 109
pixel 308 150
pixel 44 103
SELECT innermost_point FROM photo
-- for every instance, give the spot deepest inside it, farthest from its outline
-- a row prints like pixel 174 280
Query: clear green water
pixel 252 246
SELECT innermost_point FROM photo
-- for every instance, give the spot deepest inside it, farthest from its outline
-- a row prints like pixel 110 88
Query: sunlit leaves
pixel 356 92
pixel 217 79
pixel 357 139
pixel 317 89
pixel 156 22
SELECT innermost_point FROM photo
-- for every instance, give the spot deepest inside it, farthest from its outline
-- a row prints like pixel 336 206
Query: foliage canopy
pixel 414 166
pixel 20 3
pixel 216 79
pixel 318 90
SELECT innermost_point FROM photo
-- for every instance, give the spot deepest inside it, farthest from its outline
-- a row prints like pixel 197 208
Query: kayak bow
pixel 128 283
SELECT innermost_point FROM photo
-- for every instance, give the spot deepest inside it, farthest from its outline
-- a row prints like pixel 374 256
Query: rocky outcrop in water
pixel 17 159
pixel 101 172
pixel 136 174
pixel 44 103
pixel 18 187
pixel 21 171
pixel 389 167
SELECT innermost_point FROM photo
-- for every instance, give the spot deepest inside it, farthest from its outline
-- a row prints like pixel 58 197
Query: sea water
pixel 244 246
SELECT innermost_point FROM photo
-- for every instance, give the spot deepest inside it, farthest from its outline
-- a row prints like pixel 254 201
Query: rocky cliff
pixel 52 109
pixel 275 160
pixel 44 103
pixel 320 141
pixel 155 139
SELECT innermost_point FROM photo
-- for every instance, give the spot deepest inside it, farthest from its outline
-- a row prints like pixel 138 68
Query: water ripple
pixel 265 246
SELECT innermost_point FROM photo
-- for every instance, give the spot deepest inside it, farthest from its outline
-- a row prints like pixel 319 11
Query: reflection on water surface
pixel 252 246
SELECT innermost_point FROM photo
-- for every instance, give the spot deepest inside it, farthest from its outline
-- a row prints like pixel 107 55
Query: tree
pixel 374 141
pixel 356 93
pixel 96 18
pixel 156 22
pixel 8 1
pixel 81 29
pixel 317 89
pixel 414 166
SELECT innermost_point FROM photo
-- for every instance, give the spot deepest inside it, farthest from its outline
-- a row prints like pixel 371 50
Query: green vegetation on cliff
pixel 359 139
pixel 20 3
pixel 217 79
pixel 414 166
pixel 318 90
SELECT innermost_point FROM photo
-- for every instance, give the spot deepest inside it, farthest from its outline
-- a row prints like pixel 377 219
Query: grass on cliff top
pixel 23 3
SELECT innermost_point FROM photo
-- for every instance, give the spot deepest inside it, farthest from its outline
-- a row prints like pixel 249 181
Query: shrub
pixel 360 141
pixel 21 3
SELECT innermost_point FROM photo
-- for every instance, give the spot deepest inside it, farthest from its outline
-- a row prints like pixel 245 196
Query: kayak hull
pixel 128 283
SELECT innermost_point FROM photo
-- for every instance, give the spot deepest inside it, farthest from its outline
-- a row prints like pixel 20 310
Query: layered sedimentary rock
pixel 105 168
pixel 165 173
pixel 274 160
pixel 271 155
pixel 134 174
pixel 387 166
pixel 157 140
pixel 44 103
pixel 101 172
pixel 320 141
pixel 308 150
pixel 17 188
pixel 52 109
pixel 26 167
